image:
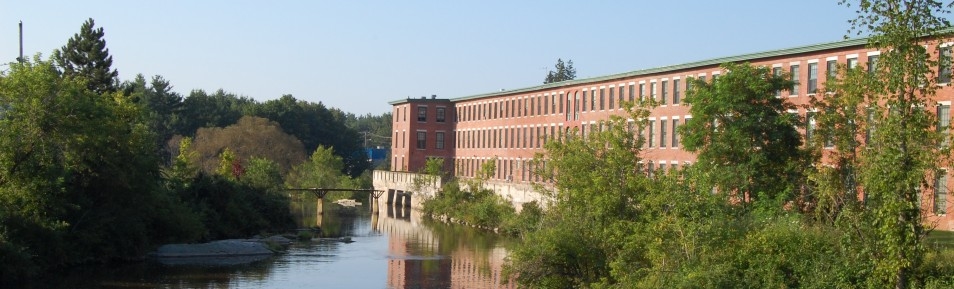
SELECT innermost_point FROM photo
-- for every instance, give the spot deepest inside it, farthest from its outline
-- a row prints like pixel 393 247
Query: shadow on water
pixel 355 249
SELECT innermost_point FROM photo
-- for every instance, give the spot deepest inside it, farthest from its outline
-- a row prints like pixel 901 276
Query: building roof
pixel 422 99
pixel 662 69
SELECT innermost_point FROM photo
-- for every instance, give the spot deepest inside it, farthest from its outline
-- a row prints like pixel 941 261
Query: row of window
pixel 667 129
pixel 831 69
pixel 604 98
pixel 440 114
pixel 667 137
pixel 420 140
pixel 517 137
pixel 519 170
pixel 525 169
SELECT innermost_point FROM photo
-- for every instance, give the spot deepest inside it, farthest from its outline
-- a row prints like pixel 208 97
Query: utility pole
pixel 20 59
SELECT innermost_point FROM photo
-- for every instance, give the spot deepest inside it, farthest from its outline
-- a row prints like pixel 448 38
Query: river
pixel 393 249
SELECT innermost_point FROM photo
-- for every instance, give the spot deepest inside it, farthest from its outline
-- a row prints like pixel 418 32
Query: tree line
pixel 94 169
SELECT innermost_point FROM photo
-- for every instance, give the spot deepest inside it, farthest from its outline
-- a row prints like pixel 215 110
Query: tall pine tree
pixel 564 71
pixel 85 56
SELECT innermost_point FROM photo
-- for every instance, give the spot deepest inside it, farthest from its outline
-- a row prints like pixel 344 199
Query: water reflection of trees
pixel 154 275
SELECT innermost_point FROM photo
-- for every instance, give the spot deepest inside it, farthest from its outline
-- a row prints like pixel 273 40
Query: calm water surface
pixel 394 249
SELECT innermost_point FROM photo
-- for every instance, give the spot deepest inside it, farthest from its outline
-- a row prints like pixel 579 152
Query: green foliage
pixel 79 181
pixel 744 136
pixel 228 167
pixel 564 71
pixel 902 149
pixel 375 128
pixel 597 196
pixel 322 170
pixel 473 205
pixel 219 109
pixel 263 174
pixel 86 58
pixel 183 166
pixel 231 209
pixel 160 106
pixel 316 125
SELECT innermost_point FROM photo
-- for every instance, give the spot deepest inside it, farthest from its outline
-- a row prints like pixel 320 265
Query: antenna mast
pixel 20 59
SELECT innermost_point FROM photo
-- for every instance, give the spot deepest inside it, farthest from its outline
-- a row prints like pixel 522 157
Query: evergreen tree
pixel 85 56
pixel 564 71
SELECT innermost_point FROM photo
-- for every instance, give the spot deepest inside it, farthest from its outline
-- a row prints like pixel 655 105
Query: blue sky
pixel 358 55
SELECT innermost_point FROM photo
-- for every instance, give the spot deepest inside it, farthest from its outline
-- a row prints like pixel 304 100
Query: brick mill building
pixel 509 126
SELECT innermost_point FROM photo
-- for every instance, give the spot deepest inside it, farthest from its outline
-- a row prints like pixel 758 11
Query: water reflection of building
pixel 418 261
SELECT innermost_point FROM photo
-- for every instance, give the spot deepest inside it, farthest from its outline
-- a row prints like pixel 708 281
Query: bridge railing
pixel 405 181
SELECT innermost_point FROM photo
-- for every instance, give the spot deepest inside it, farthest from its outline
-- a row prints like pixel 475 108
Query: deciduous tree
pixel 743 135
pixel 250 137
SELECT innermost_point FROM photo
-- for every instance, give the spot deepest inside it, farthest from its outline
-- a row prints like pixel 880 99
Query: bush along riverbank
pixel 478 207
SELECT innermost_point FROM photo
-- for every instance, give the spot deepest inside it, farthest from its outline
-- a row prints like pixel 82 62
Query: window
pixel 652 136
pixel 944 66
pixel 794 71
pixel 810 128
pixel 539 109
pixel 832 67
pixel 812 77
pixel 642 91
pixel 602 99
pixel 421 140
pixel 620 102
pixel 940 193
pixel 583 108
pixel 440 114
pixel 852 63
pixel 652 90
pixel 944 122
pixel 631 94
pixel 662 133
pixel 593 100
pixel 561 100
pixel 665 92
pixel 675 91
pixel 576 105
pixel 872 63
pixel 440 140
pixel 675 133
pixel 612 97
pixel 546 104
pixel 777 71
